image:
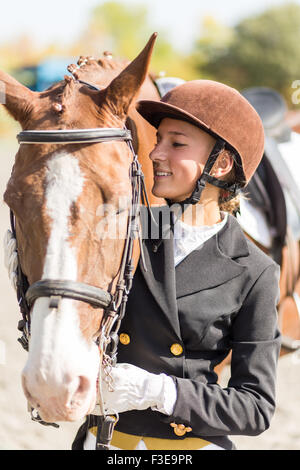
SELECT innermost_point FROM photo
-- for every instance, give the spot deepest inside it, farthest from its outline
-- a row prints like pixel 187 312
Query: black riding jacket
pixel 220 298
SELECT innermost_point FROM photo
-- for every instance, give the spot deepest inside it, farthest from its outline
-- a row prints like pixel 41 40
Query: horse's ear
pixel 124 88
pixel 16 98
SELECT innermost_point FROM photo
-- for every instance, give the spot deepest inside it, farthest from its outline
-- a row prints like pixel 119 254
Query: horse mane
pixel 98 72
pixel 103 69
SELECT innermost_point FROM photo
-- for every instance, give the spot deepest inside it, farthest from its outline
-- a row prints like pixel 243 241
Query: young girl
pixel 207 290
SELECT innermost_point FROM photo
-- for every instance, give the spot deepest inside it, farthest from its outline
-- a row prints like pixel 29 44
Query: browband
pixel 73 136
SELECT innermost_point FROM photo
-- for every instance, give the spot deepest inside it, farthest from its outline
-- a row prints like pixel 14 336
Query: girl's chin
pixel 159 192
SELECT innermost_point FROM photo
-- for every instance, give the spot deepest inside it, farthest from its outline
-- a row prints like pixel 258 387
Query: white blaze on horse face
pixel 64 184
pixel 60 360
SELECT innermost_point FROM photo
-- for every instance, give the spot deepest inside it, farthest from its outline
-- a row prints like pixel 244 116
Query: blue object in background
pixel 50 71
pixel 42 76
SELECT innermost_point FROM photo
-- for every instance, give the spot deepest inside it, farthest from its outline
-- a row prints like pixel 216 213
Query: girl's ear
pixel 223 165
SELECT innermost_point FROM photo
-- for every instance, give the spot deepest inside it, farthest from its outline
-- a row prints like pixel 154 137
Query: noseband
pixel 113 304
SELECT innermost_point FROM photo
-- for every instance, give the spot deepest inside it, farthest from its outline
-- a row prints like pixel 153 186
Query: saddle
pixel 165 84
pixel 272 110
pixel 265 196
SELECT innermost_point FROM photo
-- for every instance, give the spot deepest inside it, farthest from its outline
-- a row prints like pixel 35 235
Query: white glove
pixel 136 389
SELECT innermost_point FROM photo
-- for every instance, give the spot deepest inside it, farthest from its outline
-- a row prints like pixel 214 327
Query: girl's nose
pixel 157 154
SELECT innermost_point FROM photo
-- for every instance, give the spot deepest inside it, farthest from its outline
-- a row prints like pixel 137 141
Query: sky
pixel 63 20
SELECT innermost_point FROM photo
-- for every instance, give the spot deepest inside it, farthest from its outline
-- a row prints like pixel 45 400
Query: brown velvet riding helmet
pixel 222 112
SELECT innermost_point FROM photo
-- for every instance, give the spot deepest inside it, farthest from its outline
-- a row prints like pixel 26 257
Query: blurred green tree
pixel 123 30
pixel 262 50
pixel 211 47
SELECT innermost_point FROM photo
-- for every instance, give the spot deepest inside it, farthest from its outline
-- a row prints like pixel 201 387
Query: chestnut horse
pixel 56 192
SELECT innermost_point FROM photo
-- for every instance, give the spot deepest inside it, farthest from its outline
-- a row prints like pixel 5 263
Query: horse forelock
pixel 105 62
pixel 68 104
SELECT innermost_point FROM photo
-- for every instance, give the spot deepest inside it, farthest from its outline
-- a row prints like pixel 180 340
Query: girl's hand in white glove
pixel 136 389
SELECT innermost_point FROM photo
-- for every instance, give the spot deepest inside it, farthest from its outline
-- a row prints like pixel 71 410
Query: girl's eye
pixel 177 144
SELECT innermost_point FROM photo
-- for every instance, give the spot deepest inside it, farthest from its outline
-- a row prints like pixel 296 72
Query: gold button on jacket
pixel 176 349
pixel 180 429
pixel 124 338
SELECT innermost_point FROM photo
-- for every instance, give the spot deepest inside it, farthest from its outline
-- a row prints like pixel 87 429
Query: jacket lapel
pixel 159 261
pixel 213 264
pixel 160 279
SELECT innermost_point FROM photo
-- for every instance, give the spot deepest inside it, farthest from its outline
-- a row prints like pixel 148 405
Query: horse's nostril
pixel 84 385
pixel 80 392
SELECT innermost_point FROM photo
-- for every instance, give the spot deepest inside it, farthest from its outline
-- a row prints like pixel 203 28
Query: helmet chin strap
pixel 194 198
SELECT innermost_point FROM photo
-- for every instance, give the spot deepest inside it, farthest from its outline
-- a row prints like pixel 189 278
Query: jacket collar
pixel 231 240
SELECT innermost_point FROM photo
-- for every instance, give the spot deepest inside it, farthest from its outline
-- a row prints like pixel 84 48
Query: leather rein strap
pixel 114 305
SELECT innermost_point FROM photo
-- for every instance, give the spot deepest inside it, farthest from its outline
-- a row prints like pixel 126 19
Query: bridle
pixel 114 305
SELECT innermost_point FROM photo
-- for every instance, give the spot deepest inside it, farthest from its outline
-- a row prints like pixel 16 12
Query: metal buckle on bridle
pixel 36 418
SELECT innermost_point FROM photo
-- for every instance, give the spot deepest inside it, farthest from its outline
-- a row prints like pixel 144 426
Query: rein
pixel 114 305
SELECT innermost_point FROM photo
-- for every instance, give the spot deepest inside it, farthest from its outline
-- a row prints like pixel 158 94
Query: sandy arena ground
pixel 18 432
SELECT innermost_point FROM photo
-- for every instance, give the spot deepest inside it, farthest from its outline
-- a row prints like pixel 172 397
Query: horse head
pixel 63 197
